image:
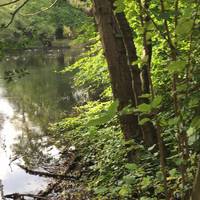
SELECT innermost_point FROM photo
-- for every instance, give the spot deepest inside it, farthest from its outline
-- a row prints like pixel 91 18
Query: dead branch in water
pixel 17 196
pixel 51 187
pixel 49 175
pixel 68 164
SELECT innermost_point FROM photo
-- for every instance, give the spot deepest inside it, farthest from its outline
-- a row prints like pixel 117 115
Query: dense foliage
pixel 144 178
pixel 34 27
pixel 172 105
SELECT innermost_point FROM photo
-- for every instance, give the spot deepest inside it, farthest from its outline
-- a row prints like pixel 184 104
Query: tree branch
pixel 9 3
pixel 14 14
pixel 20 196
pixel 42 10
pixel 169 39
pixel 50 175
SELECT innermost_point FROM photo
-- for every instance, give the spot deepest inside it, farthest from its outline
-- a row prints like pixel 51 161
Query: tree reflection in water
pixel 39 98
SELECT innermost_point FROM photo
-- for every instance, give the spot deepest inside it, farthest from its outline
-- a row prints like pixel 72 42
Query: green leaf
pixel 194 102
pixel 173 121
pixel 144 108
pixel 193 130
pixel 127 110
pixel 144 120
pixel 190 131
pixel 125 191
pixel 147 96
pixel 165 15
pixel 138 61
pixel 131 166
pixel 156 102
pixel 159 176
pixel 196 123
pixel 105 117
pixel 120 6
pixel 146 182
pixel 101 190
pixel 192 138
pixel 145 59
pixel 184 26
pixel 173 172
pixel 129 179
pixel 179 161
pixel 182 87
pixel 176 66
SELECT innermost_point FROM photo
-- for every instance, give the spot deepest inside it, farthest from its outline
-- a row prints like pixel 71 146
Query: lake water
pixel 27 105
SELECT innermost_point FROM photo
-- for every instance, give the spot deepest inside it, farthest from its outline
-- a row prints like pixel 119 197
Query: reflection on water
pixel 26 107
pixel 13 178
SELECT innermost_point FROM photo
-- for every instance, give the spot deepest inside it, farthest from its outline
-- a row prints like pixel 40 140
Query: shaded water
pixel 27 105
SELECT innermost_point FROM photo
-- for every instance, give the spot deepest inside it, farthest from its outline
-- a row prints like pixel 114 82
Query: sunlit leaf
pixel 131 166
pixel 125 191
pixel 196 123
pixel 144 120
pixel 144 108
pixel 146 182
pixel 145 96
pixel 184 26
pixel 156 102
pixel 176 66
pixel 105 117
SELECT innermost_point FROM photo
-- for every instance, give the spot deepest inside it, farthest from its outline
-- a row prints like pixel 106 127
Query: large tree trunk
pixel 131 54
pixel 115 53
pixel 147 130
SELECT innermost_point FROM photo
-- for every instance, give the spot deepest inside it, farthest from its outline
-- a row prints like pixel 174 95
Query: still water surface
pixel 27 105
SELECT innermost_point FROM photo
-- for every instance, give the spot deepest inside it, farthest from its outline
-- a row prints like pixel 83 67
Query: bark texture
pixel 147 43
pixel 119 70
pixel 131 54
pixel 120 52
pixel 148 131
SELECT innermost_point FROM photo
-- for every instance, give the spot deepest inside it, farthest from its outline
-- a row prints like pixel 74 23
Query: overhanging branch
pixel 9 3
pixel 14 14
pixel 42 10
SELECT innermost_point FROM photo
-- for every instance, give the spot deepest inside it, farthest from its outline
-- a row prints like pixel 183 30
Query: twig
pixel 9 3
pixel 42 10
pixel 14 14
pixel 155 25
pixel 169 40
